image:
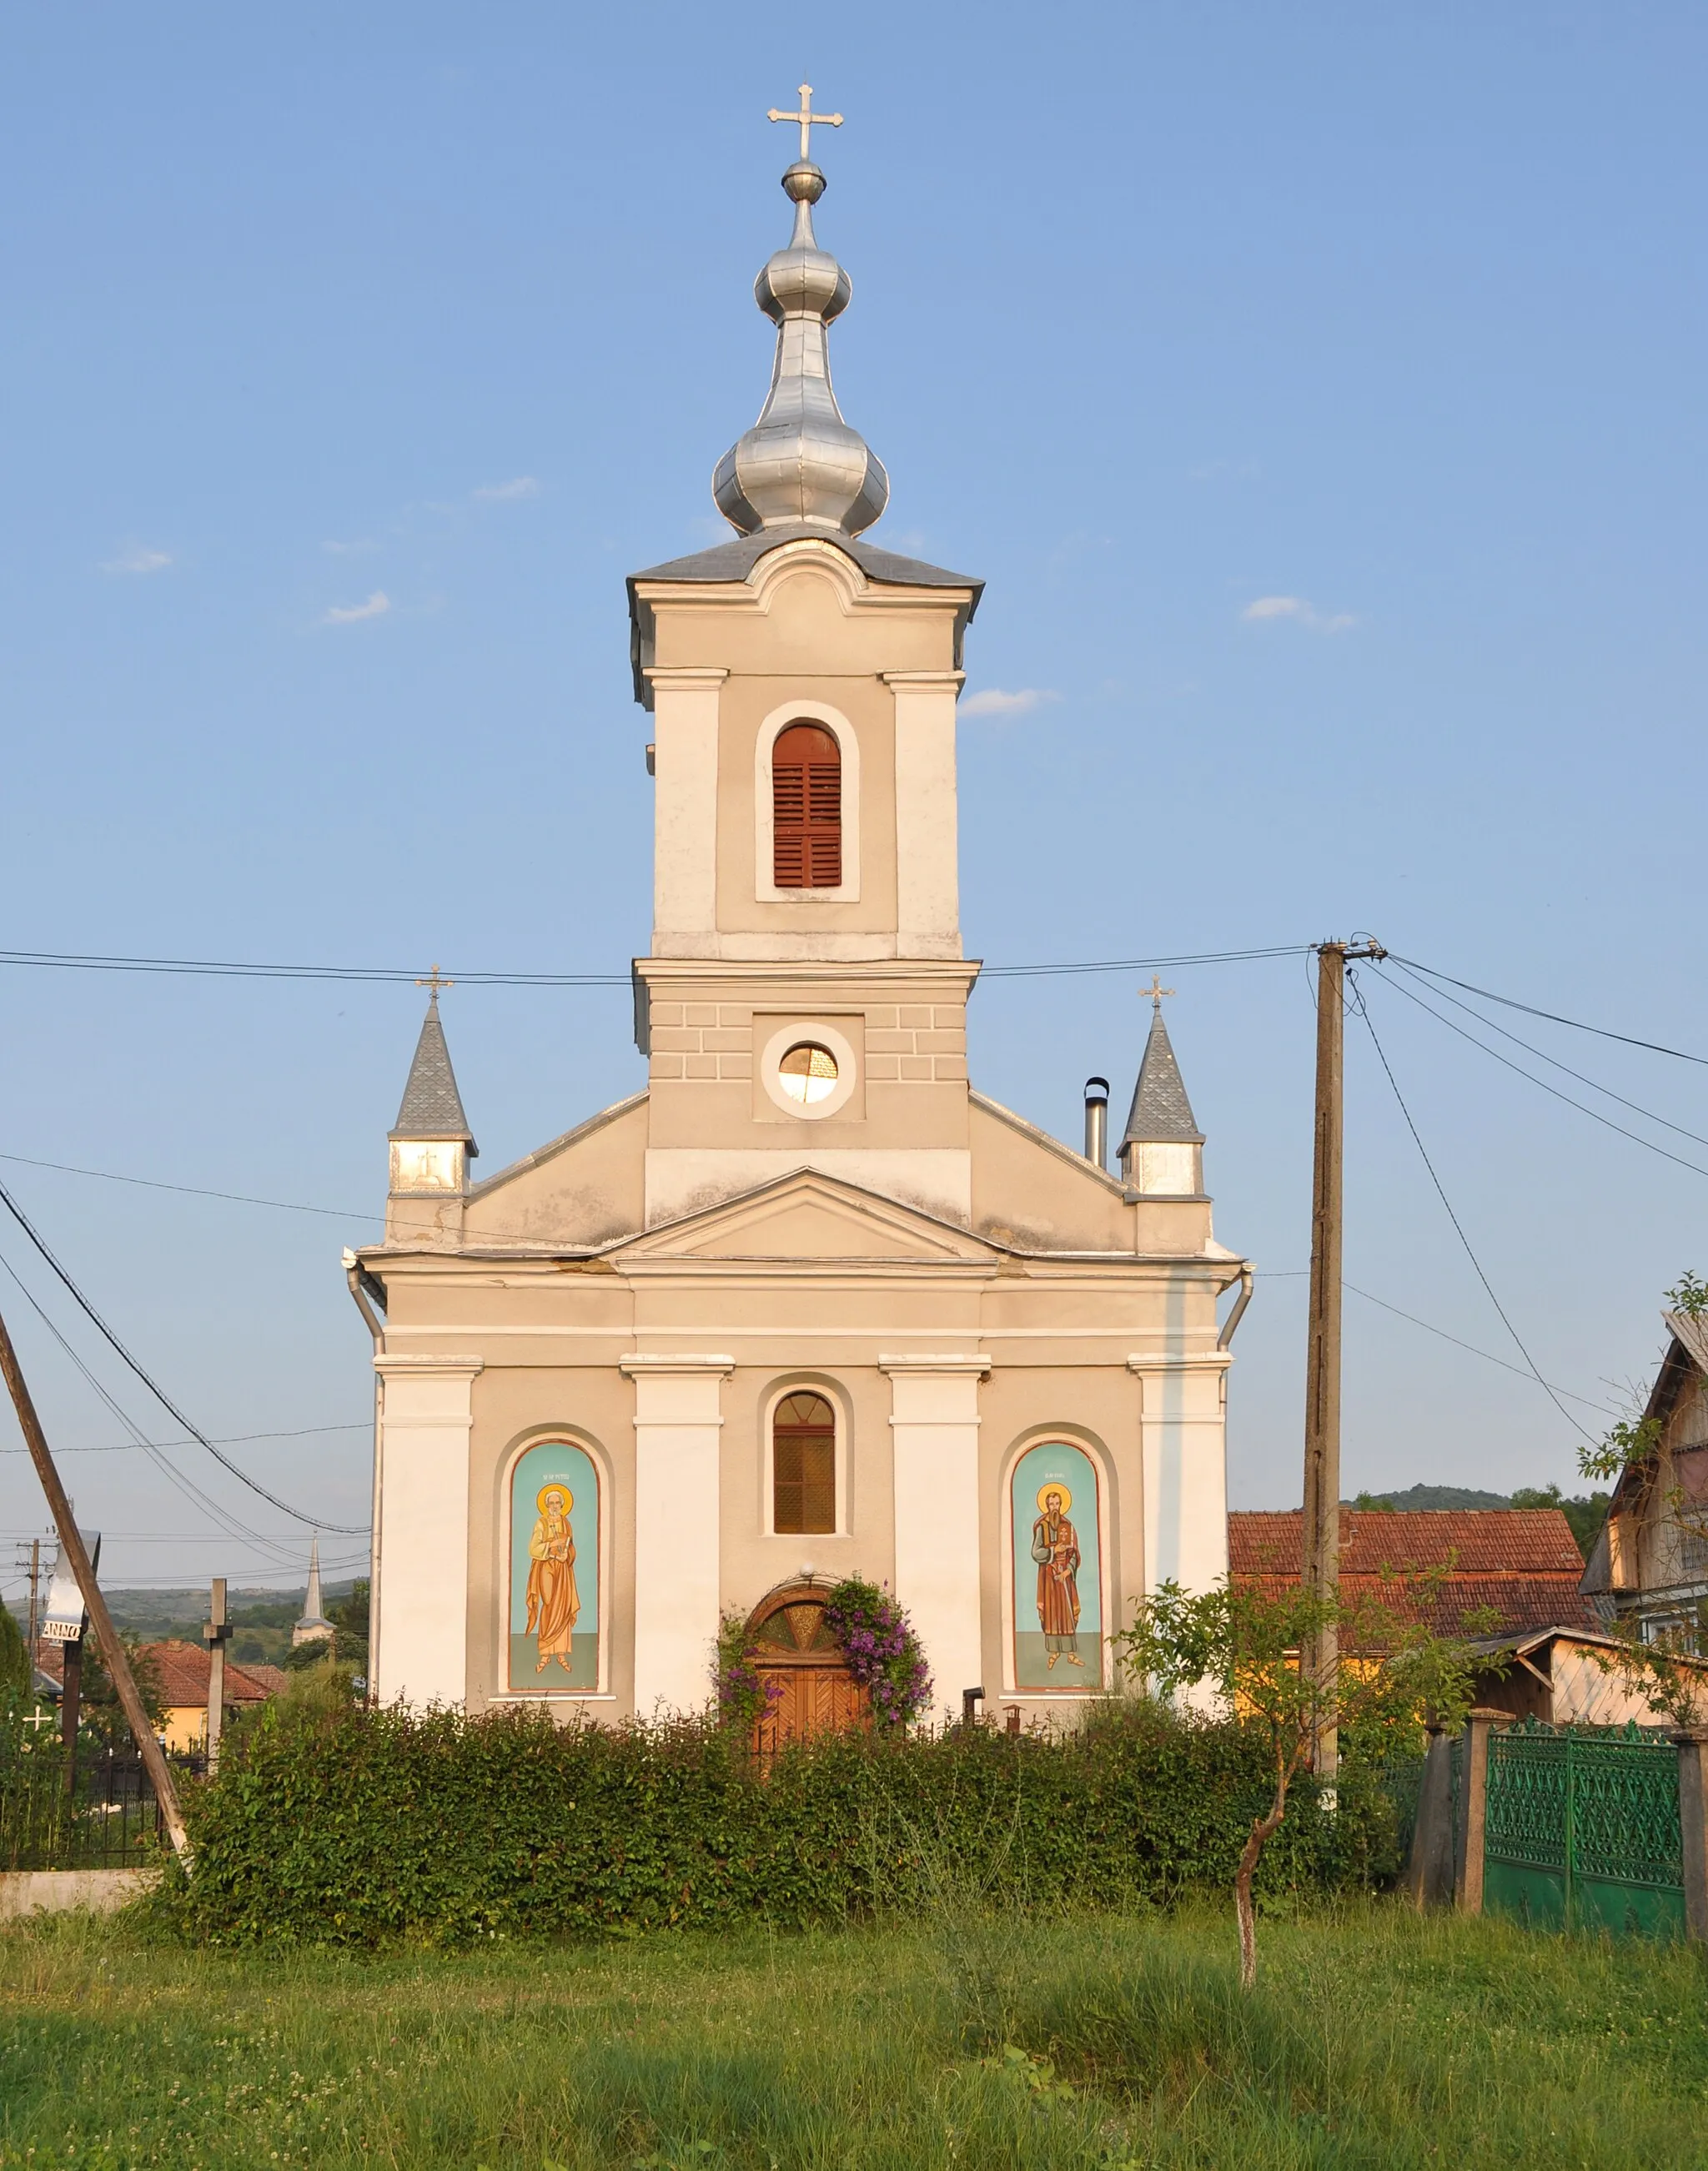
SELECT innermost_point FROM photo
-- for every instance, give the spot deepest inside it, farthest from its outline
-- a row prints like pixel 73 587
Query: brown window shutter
pixel 807 808
pixel 803 1464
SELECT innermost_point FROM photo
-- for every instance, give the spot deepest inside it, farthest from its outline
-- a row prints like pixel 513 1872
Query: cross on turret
pixel 806 119
pixel 1156 990
pixel 436 980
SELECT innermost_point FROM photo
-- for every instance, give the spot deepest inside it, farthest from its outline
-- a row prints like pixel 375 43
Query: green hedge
pixel 375 1824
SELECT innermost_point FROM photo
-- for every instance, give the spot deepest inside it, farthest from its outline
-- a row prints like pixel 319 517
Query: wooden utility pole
pixel 1322 1387
pixel 112 1650
pixel 216 1634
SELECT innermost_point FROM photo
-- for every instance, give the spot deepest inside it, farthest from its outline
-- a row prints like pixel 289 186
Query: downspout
pixel 354 1275
pixel 1239 1311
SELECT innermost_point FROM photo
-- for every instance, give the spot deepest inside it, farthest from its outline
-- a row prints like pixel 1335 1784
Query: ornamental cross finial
pixel 807 119
pixel 436 980
pixel 1156 990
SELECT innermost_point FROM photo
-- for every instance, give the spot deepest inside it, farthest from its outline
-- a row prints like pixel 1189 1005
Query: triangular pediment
pixel 811 1217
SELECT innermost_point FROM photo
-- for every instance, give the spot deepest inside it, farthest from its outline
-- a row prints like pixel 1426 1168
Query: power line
pixel 192 1190
pixel 1145 964
pixel 1594 1114
pixel 1542 1055
pixel 232 970
pixel 1362 1009
pixel 402 975
pixel 1511 1003
pixel 230 1525
pixel 344 1529
pixel 220 1440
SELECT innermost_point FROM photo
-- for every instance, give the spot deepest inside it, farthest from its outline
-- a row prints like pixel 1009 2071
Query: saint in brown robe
pixel 1056 1549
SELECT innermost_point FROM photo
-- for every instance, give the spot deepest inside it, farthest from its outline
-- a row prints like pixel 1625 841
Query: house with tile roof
pixel 181 1671
pixel 1651 1561
pixel 1514 1569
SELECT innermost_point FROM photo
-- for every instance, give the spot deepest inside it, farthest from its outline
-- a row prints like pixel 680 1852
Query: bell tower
pixel 804 999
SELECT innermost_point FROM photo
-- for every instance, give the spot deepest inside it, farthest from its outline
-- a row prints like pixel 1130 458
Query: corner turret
pixel 1162 1151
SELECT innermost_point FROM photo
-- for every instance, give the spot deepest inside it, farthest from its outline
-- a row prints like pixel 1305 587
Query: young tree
pixel 1245 1641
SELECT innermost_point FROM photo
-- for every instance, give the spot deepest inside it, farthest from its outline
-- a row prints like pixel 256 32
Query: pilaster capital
pixel 422 1367
pixel 925 682
pixel 691 1364
pixel 1179 1360
pixel 684 678
pixel 951 1365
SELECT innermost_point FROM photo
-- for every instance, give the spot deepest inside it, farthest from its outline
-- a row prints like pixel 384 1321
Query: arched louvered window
pixel 803 1464
pixel 807 808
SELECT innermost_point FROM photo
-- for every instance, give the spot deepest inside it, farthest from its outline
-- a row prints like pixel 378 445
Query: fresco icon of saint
pixel 554 1626
pixel 1057 1595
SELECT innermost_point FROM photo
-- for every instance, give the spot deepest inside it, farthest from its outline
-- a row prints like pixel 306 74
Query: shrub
pixel 357 1826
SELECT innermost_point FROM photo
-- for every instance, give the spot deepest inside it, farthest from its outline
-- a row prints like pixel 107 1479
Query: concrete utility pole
pixel 1321 1565
pixel 73 1550
pixel 216 1634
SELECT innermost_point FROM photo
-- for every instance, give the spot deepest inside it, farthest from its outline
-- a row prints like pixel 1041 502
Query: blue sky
pixel 355 356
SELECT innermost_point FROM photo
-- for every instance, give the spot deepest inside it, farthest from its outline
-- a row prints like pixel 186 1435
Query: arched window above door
pixel 803 1464
pixel 807 808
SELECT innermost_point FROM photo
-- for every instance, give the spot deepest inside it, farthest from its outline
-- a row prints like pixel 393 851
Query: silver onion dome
pixel 800 462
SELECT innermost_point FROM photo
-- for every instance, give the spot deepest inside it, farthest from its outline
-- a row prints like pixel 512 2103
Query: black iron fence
pixel 108 1820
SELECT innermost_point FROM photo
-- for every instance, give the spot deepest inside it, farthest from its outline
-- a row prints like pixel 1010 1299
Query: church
pixel 809 1304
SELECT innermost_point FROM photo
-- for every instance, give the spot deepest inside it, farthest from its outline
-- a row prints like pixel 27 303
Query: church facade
pixel 809 1304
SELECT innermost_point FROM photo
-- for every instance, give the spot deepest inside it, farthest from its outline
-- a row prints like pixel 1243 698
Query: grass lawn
pixel 1374 2039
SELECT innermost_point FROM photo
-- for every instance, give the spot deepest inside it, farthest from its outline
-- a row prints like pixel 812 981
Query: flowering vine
pixel 883 1651
pixel 743 1696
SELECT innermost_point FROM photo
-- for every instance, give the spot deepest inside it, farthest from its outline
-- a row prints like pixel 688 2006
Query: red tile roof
pixel 181 1670
pixel 1521 1564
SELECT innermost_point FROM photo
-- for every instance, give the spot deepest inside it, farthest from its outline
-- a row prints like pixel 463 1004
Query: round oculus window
pixel 807 1074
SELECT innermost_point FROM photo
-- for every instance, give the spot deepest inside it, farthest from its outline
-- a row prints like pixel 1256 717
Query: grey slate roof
pixel 735 560
pixel 1160 1110
pixel 432 1107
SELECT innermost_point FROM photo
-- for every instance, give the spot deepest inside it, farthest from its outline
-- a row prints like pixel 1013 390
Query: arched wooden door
pixel 796 1656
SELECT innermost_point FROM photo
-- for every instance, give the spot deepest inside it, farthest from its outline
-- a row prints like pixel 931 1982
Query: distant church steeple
pixel 800 465
pixel 1162 1152
pixel 313 1627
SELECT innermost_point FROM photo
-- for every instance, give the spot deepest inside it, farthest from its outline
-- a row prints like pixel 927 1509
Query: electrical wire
pixel 1363 1008
pixel 230 1525
pixel 192 1190
pixel 398 975
pixel 1594 1114
pixel 1488 1356
pixel 1511 1003
pixel 1542 1055
pixel 314 1522
pixel 221 1439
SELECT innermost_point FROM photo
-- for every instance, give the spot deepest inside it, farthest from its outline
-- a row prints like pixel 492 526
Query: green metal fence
pixel 1581 1829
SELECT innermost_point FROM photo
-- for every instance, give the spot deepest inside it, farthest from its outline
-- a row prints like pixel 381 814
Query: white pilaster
pixel 420 1547
pixel 1183 1423
pixel 676 1422
pixel 685 812
pixel 928 894
pixel 934 1420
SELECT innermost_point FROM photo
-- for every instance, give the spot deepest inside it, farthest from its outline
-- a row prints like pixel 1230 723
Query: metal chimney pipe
pixel 1097 1120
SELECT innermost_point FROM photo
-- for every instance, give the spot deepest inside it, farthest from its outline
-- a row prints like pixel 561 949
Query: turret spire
pixel 1162 1150
pixel 800 463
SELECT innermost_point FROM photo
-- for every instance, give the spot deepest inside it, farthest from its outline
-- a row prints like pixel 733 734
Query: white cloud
pixel 137 558
pixel 378 604
pixel 1300 612
pixel 351 549
pixel 501 492
pixel 993 701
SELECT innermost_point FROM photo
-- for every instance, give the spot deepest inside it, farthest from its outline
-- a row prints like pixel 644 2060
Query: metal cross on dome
pixel 436 980
pixel 807 119
pixel 1156 990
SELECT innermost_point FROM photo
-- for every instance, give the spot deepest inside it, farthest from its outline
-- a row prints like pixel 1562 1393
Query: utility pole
pixel 73 1550
pixel 216 1634
pixel 1321 1564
